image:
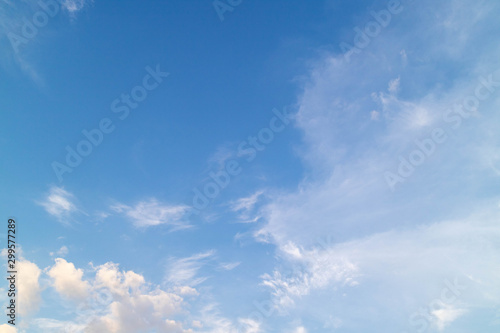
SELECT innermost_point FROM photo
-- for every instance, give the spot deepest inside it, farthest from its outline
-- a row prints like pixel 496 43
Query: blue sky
pixel 252 166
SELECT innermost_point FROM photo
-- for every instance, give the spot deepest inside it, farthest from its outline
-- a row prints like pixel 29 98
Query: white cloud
pixel 394 86
pixel 113 301
pixel 300 329
pixel 4 328
pixel 135 307
pixel 119 283
pixel 67 280
pixel 446 316
pixel 29 287
pixel 152 213
pixel 392 250
pixel 184 271
pixel 245 206
pixel 73 6
pixel 246 203
pixel 17 50
pixel 229 265
pixel 251 325
pixel 46 325
pixel 61 252
pixel 121 301
pixel 213 322
pixel 185 291
pixel 313 269
pixel 374 115
pixel 59 203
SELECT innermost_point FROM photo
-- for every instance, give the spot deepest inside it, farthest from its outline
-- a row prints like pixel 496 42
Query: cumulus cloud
pixel 29 287
pixel 152 213
pixel 67 280
pixel 7 328
pixel 106 298
pixel 119 283
pixel 135 307
pixel 113 301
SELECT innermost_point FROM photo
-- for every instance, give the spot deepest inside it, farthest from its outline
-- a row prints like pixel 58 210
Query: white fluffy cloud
pixel 113 301
pixel 29 287
pixel 134 306
pixel 119 283
pixel 67 280
pixel 4 328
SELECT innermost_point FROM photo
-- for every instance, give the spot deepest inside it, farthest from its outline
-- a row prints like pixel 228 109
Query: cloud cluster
pixel 105 298
pixel 112 301
pixel 134 307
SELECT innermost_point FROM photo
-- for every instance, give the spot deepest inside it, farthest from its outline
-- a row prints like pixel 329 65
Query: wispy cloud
pixel 229 266
pixel 73 6
pixel 19 29
pixel 245 206
pixel 184 271
pixel 59 203
pixel 151 212
pixel 394 85
pixel 393 243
